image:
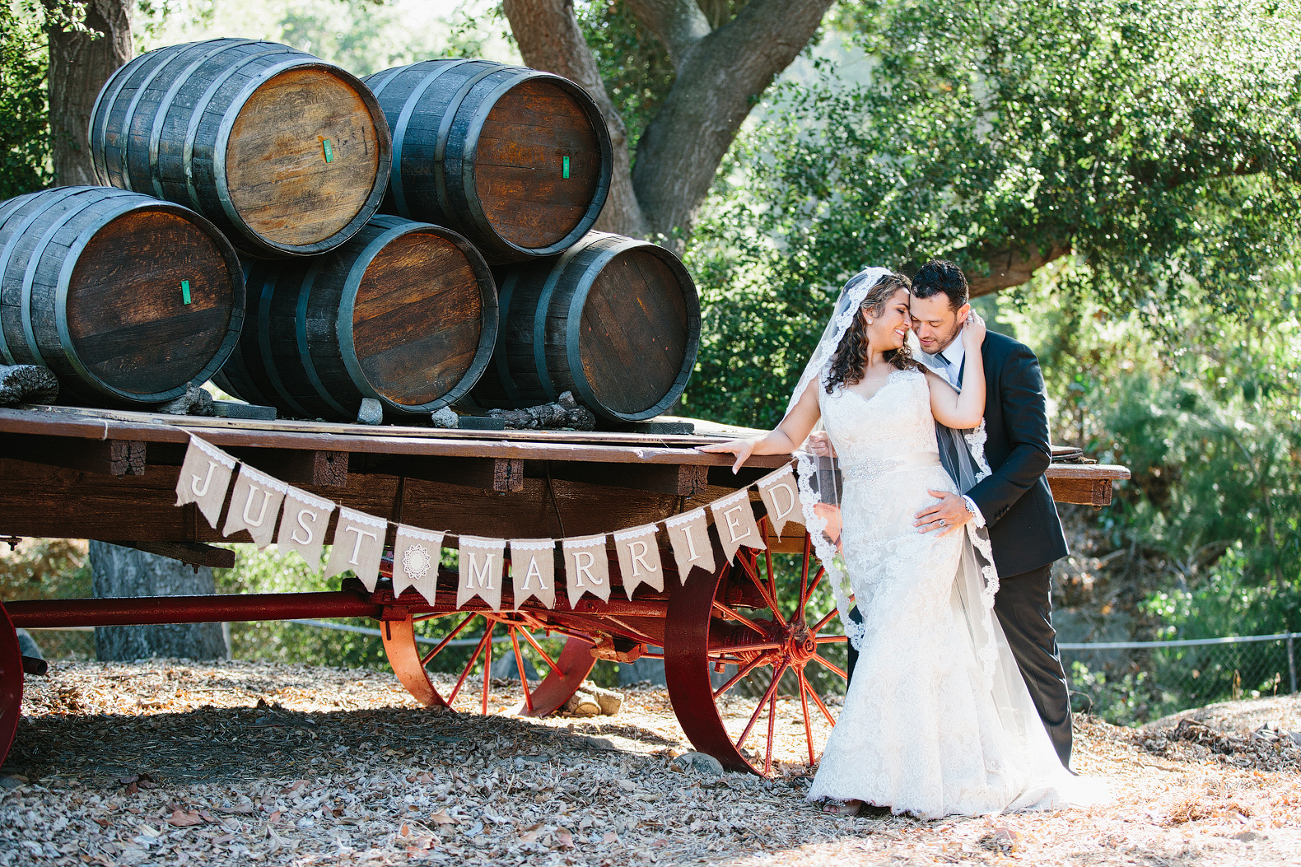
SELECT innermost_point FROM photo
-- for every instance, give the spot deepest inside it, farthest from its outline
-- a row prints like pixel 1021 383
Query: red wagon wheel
pixel 11 683
pixel 748 627
pixel 563 675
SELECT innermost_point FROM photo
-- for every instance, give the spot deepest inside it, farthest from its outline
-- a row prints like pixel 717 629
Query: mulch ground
pixel 250 763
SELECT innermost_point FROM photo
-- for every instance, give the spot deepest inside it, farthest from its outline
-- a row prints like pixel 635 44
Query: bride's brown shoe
pixel 842 808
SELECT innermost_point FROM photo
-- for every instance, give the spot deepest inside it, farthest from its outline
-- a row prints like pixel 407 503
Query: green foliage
pixel 24 110
pixel 45 569
pixel 1159 141
pixel 634 64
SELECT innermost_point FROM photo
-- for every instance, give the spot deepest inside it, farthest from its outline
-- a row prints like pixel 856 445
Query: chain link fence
pixel 1132 682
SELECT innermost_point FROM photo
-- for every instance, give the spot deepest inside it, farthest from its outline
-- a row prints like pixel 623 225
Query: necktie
pixel 939 356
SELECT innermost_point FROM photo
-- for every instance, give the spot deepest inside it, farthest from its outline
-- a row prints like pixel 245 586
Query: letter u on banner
pixel 533 570
pixel 780 497
pixel 639 558
pixel 734 523
pixel 205 477
pixel 415 561
pixel 254 505
pixel 358 544
pixel 480 571
pixel 587 569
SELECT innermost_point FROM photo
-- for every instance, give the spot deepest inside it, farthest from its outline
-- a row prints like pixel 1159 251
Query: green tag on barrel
pixel 327 150
pixel 185 291
pixel 565 169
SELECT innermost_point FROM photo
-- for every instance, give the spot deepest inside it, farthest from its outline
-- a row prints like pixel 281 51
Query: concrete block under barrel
pixel 402 312
pixel 127 299
pixel 517 160
pixel 287 154
pixel 614 320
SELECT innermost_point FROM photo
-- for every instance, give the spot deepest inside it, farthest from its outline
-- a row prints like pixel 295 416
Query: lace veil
pixel 818 482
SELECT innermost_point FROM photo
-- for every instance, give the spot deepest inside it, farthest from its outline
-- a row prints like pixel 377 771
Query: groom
pixel 1014 501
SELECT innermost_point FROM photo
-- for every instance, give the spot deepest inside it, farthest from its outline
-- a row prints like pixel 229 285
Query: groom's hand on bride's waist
pixel 949 514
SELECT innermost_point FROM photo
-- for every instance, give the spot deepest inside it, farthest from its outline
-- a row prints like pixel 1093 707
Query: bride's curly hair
pixel 849 364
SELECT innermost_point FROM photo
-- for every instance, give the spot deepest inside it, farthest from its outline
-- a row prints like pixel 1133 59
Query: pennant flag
pixel 780 497
pixel 639 558
pixel 254 505
pixel 734 522
pixel 587 569
pixel 533 570
pixel 415 561
pixel 303 525
pixel 205 476
pixel 689 536
pixel 358 545
pixel 481 571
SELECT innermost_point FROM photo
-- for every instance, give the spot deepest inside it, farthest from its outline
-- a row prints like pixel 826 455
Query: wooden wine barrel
pixel 287 154
pixel 613 319
pixel 517 160
pixel 127 299
pixel 403 312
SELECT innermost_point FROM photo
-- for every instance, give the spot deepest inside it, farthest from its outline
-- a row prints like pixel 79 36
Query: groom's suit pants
pixel 1024 608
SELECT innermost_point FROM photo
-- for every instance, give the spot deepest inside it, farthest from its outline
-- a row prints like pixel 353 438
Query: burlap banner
pixel 303 525
pixel 639 558
pixel 205 477
pixel 780 496
pixel 415 561
pixel 358 545
pixel 689 536
pixel 734 523
pixel 587 569
pixel 533 570
pixel 255 505
pixel 480 571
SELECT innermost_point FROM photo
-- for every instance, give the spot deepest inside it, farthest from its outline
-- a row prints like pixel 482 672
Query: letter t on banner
pixel 358 545
pixel 734 522
pixel 779 497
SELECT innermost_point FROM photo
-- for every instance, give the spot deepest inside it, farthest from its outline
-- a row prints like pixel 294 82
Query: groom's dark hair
pixel 941 275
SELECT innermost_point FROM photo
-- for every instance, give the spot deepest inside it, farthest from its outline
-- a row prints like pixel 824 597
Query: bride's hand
pixel 741 448
pixel 974 332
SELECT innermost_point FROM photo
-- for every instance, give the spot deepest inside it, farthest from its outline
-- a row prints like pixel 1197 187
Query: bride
pixel 937 719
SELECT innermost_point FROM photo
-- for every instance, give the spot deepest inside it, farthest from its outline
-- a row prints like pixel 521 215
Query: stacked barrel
pixel 240 240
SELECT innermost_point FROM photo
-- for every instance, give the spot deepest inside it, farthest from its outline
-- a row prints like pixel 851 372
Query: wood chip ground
pixel 172 763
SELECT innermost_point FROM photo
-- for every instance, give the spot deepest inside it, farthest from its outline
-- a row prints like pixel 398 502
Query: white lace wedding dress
pixel 937 720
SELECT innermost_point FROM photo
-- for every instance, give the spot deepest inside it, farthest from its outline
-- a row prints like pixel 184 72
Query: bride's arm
pixel 964 409
pixel 783 439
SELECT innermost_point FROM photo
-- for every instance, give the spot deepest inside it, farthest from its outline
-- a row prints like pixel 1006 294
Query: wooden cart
pixel 112 476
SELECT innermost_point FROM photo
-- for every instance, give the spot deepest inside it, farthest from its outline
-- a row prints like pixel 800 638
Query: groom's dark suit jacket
pixel 1015 499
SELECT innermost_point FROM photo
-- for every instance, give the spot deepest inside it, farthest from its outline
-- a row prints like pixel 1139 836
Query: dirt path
pixel 239 763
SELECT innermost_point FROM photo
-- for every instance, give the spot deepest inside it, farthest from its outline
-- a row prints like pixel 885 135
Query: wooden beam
pixel 317 467
pixel 503 475
pixel 683 480
pixel 187 552
pixel 106 457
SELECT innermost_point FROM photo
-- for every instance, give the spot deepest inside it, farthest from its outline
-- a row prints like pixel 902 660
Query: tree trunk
pixel 720 73
pixel 118 572
pixel 80 63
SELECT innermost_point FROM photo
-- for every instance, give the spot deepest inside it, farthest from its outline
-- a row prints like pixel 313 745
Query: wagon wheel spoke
pixel 804 711
pixel 487 663
pixel 424 660
pixel 717 620
pixel 519 663
pixel 546 657
pixel 469 666
pixel 832 666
